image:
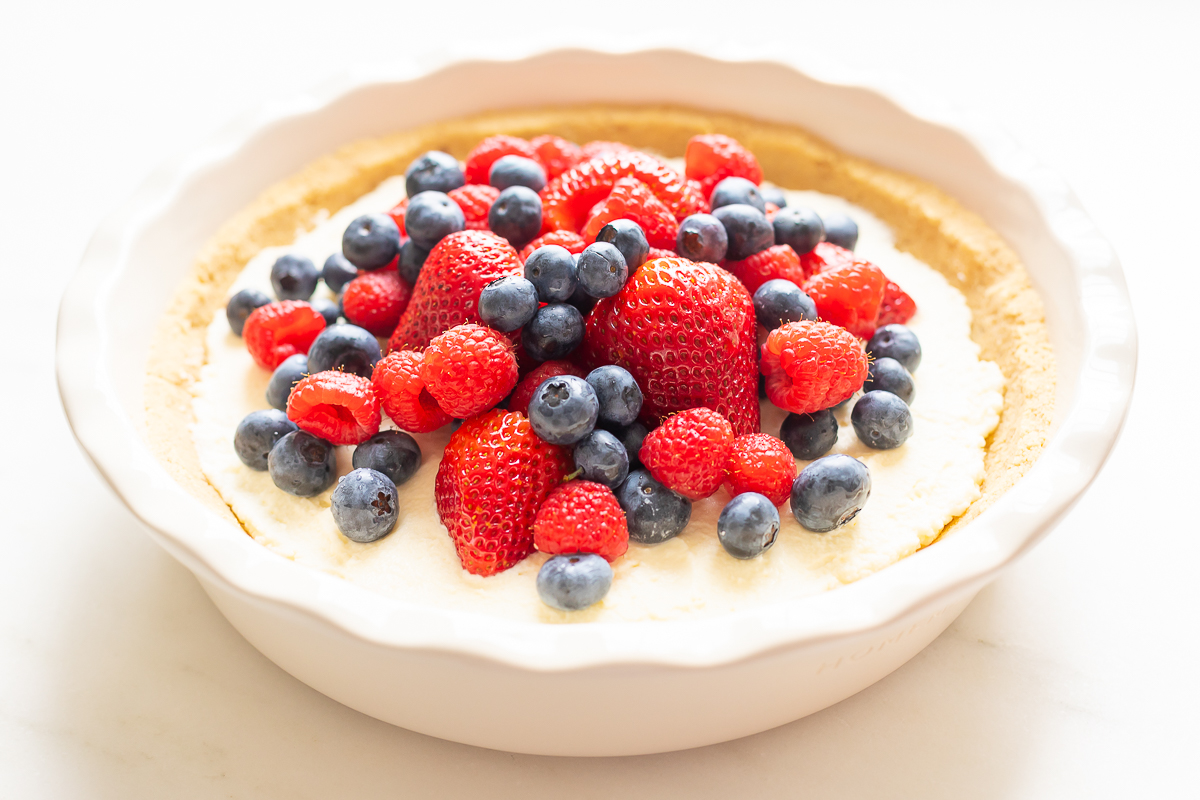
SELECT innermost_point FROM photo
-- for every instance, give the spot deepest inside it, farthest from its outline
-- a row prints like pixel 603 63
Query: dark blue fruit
pixel 241 305
pixel 283 380
pixel 628 237
pixel 702 237
pixel 365 505
pixel 898 342
pixel 412 258
pixel 302 464
pixel 293 277
pixel 773 194
pixel 431 217
pixel 829 492
pixel 555 331
pixel 631 436
pixel 434 171
pixel 510 170
pixel 737 190
pixel 882 420
pixel 574 582
pixel 371 241
pixel 327 309
pixel 653 512
pixel 747 229
pixel 337 272
pixel 841 230
pixel 394 453
pixel 602 270
pixel 809 436
pixel 346 348
pixel 563 410
pixel 507 303
pixel 748 525
pixel 257 434
pixel 889 375
pixel 581 299
pixel 602 458
pixel 516 215
pixel 619 395
pixel 780 301
pixel 800 228
pixel 552 271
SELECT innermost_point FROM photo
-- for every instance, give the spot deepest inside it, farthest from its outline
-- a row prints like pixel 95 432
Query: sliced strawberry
pixel 897 307
pixel 631 199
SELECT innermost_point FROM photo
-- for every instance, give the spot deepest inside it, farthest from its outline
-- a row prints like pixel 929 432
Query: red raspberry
pixel 824 258
pixel 897 307
pixel 398 213
pixel 475 200
pixel 480 160
pixel 402 393
pixel 632 199
pixel 661 252
pixel 542 372
pixel 849 296
pixel 568 239
pixel 581 517
pixel 278 330
pixel 712 157
pixel 812 365
pixel 779 261
pixel 761 463
pixel 689 451
pixel 556 154
pixel 468 369
pixel 340 407
pixel 375 301
pixel 599 148
pixel 495 474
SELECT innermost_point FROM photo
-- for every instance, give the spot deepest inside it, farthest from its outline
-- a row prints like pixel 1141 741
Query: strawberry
pixel 495 474
pixel 761 463
pixel 398 213
pixel 713 157
pixel 825 257
pixel 375 301
pixel 581 517
pixel 897 307
pixel 469 369
pixel 687 334
pixel 475 200
pixel 340 407
pixel 519 401
pixel 689 451
pixel 556 154
pixel 661 252
pixel 489 151
pixel 849 296
pixel 402 393
pixel 568 239
pixel 811 365
pixel 779 261
pixel 278 330
pixel 632 199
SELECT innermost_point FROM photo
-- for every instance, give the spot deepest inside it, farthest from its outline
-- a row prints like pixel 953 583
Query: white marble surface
pixel 1074 675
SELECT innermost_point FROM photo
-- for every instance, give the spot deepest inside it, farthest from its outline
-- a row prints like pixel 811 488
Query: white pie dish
pixel 486 681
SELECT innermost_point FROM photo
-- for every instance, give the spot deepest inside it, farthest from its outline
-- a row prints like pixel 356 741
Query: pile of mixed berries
pixel 599 327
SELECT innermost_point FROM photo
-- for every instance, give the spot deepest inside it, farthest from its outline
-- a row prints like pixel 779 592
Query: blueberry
pixel 302 464
pixel 552 271
pixel 747 228
pixel 574 582
pixel 581 299
pixel 283 379
pixel 809 436
pixel 327 309
pixel 702 237
pixel 628 237
pixel 516 215
pixel 394 453
pixel 748 525
pixel 619 395
pixel 780 301
pixel 841 230
pixel 346 348
pixel 257 434
pixel 800 228
pixel 563 410
pixel 241 305
pixel 602 269
pixel 737 190
pixel 509 171
pixel 898 342
pixel 653 512
pixel 507 303
pixel 293 277
pixel 365 505
pixel 554 332
pixel 829 492
pixel 434 171
pixel 602 458
pixel 881 420
pixel 371 241
pixel 337 272
pixel 889 375
pixel 773 194
pixel 412 258
pixel 431 217
pixel 631 436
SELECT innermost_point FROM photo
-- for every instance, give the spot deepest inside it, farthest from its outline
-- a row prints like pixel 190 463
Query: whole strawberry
pixel 519 401
pixel 469 369
pixel 687 334
pixel 761 463
pixel 581 517
pixel 689 451
pixel 495 474
pixel 812 365
pixel 849 296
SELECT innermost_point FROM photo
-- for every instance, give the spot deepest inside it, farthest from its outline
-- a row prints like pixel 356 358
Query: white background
pixel 1074 675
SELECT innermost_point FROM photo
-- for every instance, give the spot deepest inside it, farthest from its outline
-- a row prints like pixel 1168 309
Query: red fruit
pixel 771 210
pixel 687 334
pixel 567 199
pixel 581 517
pixel 600 148
pixel 397 214
pixel 812 365
pixel 849 296
pixel 761 463
pixel 495 474
pixel 480 160
pixel 897 307
pixel 556 154
pixel 689 451
pixel 340 407
pixel 468 369
pixel 779 261
pixel 568 239
pixel 542 372
pixel 455 272
pixel 661 252
pixel 278 330
pixel 475 200
pixel 631 199
pixel 824 258
pixel 375 301
pixel 712 157
pixel 402 393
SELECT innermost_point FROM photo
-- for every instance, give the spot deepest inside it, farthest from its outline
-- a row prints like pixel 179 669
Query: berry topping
pixel 517 171
pixel 601 457
pixel 490 150
pixel 506 304
pixel 345 348
pixel 571 240
pixel 712 157
pixel 581 517
pixel 799 228
pixel 897 307
pixel 628 237
pixel 882 420
pixel 475 200
pixel 516 215
pixel 402 393
pixel 631 199
pixel 773 195
pixel 702 237
pixel 284 379
pixel 337 406
pixel 830 492
pixel 241 305
pixel 302 464
pixel 337 272
pixel 689 451
pixel 293 277
pixel 432 216
pixel 810 436
pixel 737 190
pixel 600 148
pixel 371 241
pixel 763 464
pixel 376 300
pixel 748 230
pixel 825 257
pixel 327 309
pixel 365 505
pixel 653 513
pixel 779 262
pixel 849 296
pixel 780 301
pixel 397 214
pixel 574 582
pixel 434 171
pixel 278 330
pixel 469 369
pixel 554 332
pixel 412 258
pixel 519 400
pixel 602 270
pixel 394 453
pixel 889 375
pixel 257 433
pixel 631 437
pixel 556 154
pixel 811 365
pixel 563 410
pixel 551 270
pixel 748 525
pixel 898 342
pixel 618 393
pixel 841 230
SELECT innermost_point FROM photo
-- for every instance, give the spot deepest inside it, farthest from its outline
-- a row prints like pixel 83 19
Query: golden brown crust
pixel 1009 322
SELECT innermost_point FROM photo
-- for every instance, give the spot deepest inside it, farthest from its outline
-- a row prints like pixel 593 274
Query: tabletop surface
pixel 1073 675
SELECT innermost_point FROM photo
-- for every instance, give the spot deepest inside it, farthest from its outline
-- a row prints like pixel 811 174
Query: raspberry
pixel 713 157
pixel 475 200
pixel 340 407
pixel 556 154
pixel 278 330
pixel 480 160
pixel 398 384
pixel 581 517
pixel 375 301
pixel 469 369
pixel 824 258
pixel 897 307
pixel 812 366
pixel 661 252
pixel 397 214
pixel 779 261
pixel 689 451
pixel 568 239
pixel 761 463
pixel 632 199
pixel 849 296
pixel 542 372
pixel 599 149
